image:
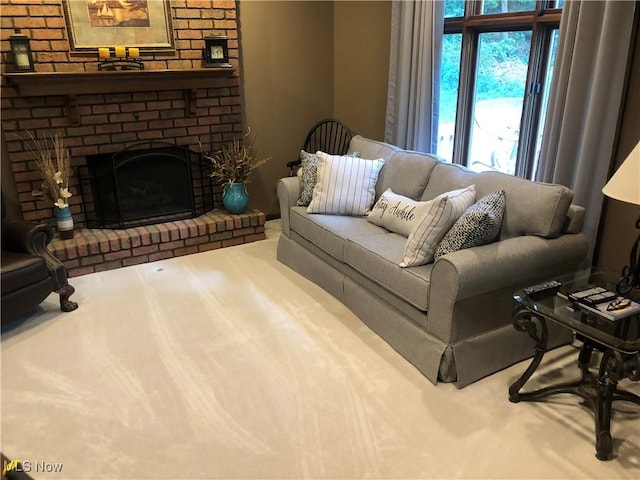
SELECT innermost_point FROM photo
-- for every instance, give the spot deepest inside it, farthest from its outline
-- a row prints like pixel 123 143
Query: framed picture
pixel 145 24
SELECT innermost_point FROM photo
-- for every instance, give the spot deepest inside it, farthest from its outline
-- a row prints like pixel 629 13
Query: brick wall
pixel 111 122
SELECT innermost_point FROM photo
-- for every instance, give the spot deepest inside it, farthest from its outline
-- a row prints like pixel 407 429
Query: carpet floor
pixel 228 365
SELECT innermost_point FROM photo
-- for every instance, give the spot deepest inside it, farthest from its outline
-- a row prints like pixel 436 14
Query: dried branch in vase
pixel 53 162
pixel 236 160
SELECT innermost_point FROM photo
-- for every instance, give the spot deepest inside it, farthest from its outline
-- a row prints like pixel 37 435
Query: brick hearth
pixel 95 250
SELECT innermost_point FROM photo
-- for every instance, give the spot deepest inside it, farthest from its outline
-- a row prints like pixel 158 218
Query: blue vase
pixel 235 198
pixel 64 222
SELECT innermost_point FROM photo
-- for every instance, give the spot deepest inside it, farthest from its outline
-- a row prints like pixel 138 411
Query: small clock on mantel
pixel 216 51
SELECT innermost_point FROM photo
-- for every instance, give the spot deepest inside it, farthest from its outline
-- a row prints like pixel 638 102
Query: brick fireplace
pixel 173 100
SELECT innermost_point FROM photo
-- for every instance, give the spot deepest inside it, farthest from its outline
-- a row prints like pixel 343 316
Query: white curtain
pixel 585 99
pixel 414 74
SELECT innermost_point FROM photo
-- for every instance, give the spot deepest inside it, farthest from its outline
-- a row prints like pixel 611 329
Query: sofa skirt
pixel 462 363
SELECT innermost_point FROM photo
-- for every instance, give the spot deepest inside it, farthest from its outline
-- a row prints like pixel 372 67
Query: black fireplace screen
pixel 145 184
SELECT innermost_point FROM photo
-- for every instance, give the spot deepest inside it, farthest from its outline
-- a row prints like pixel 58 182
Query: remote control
pixel 542 289
pixel 592 295
pixel 601 297
pixel 586 292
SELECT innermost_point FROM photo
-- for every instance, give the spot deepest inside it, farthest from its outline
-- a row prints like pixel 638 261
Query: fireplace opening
pixel 144 184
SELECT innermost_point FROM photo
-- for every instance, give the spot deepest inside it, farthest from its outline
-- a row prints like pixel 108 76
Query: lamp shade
pixel 625 183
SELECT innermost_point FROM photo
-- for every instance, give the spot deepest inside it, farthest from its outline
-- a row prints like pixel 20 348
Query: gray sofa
pixel 451 318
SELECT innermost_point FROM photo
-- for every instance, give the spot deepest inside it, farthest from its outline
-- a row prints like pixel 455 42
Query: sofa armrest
pixel 288 194
pixel 575 219
pixel 496 271
pixel 515 262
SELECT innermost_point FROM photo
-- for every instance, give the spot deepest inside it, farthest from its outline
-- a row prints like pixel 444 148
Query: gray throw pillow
pixel 479 224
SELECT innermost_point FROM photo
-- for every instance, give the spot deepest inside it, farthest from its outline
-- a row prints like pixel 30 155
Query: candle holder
pixel 123 59
pixel 120 64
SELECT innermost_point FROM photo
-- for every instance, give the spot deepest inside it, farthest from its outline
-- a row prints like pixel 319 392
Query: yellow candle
pixel 134 52
pixel 120 52
pixel 103 53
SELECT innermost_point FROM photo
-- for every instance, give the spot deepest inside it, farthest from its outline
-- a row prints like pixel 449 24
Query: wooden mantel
pixel 82 83
pixel 71 84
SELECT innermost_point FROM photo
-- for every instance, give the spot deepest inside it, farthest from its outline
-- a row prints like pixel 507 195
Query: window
pixel 497 60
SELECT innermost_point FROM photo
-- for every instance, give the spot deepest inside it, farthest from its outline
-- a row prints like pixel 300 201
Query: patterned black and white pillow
pixel 309 177
pixel 479 224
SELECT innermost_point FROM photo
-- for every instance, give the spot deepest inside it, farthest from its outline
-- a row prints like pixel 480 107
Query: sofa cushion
pixel 329 232
pixel 550 201
pixel 377 255
pixel 406 173
pixel 397 213
pixel 312 228
pixel 369 249
pixel 345 185
pixel 368 148
pixel 479 224
pixel 446 177
pixel 442 213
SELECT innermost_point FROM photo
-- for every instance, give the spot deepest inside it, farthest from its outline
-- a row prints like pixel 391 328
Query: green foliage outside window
pixel 503 64
pixel 504 57
pixel 503 6
pixel 453 8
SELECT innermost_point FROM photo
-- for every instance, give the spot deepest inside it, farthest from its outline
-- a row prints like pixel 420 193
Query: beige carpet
pixel 226 364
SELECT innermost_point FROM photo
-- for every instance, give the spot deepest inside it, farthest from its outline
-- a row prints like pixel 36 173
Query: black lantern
pixel 216 51
pixel 21 51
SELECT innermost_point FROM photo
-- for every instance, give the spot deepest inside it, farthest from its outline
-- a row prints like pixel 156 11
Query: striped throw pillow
pixel 345 185
pixel 442 213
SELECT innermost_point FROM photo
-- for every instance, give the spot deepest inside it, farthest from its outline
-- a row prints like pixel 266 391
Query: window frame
pixel 541 22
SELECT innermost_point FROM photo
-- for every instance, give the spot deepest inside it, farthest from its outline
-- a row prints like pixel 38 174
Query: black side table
pixel 619 341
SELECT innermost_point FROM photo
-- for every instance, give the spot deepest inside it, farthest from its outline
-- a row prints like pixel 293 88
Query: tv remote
pixel 592 295
pixel 584 292
pixel 542 289
pixel 601 297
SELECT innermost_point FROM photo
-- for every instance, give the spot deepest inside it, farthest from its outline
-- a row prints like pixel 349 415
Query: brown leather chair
pixel 29 272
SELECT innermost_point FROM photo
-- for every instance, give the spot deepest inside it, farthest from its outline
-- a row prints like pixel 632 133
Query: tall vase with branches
pixel 233 165
pixel 54 164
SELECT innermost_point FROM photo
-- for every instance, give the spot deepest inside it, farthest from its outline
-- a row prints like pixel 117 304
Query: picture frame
pixel 145 24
